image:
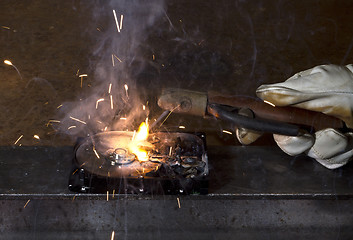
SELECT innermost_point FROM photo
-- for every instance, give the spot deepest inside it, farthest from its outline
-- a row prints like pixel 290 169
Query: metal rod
pixel 160 118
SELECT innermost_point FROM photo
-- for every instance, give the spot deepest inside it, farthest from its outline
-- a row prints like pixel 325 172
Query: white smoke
pixel 113 101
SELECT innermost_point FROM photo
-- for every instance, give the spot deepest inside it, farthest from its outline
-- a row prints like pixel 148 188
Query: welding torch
pixel 246 112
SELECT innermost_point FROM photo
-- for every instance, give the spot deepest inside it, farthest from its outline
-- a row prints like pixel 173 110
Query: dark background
pixel 228 46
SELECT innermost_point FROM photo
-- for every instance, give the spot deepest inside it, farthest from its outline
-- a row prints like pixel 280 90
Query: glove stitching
pixel 331 160
pixel 322 133
pixel 331 130
pixel 317 153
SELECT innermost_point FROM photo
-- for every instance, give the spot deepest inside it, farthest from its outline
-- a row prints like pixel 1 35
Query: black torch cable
pixel 257 124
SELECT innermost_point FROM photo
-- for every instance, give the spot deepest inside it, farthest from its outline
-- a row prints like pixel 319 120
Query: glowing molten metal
pixel 138 141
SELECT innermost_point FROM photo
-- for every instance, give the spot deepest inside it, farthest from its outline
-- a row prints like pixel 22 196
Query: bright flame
pixel 140 136
pixel 142 133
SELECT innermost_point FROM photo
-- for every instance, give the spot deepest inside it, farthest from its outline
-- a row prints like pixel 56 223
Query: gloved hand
pixel 327 89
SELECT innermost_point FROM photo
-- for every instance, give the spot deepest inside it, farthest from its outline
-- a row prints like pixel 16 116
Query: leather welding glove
pixel 327 89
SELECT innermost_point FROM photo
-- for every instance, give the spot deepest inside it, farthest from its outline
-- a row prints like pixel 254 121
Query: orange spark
pixel 117 58
pixel 8 62
pixel 54 121
pixel 75 171
pixel 116 21
pixel 111 102
pixel 121 21
pixel 78 120
pixel 126 88
pixel 228 132
pixel 98 101
pixel 95 152
pixel 265 101
pixel 81 76
pixel 26 203
pixel 18 139
pixel 170 151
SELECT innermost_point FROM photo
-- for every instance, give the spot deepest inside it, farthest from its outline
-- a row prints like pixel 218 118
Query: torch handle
pixel 306 118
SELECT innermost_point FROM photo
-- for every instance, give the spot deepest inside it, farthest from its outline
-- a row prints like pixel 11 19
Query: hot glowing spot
pixel 138 141
pixel 8 62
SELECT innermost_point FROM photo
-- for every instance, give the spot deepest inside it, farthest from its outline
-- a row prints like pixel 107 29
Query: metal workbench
pixel 255 192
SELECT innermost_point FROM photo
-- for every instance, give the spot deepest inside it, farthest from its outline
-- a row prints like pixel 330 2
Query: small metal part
pixel 159 119
pixel 119 156
pixel 123 157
